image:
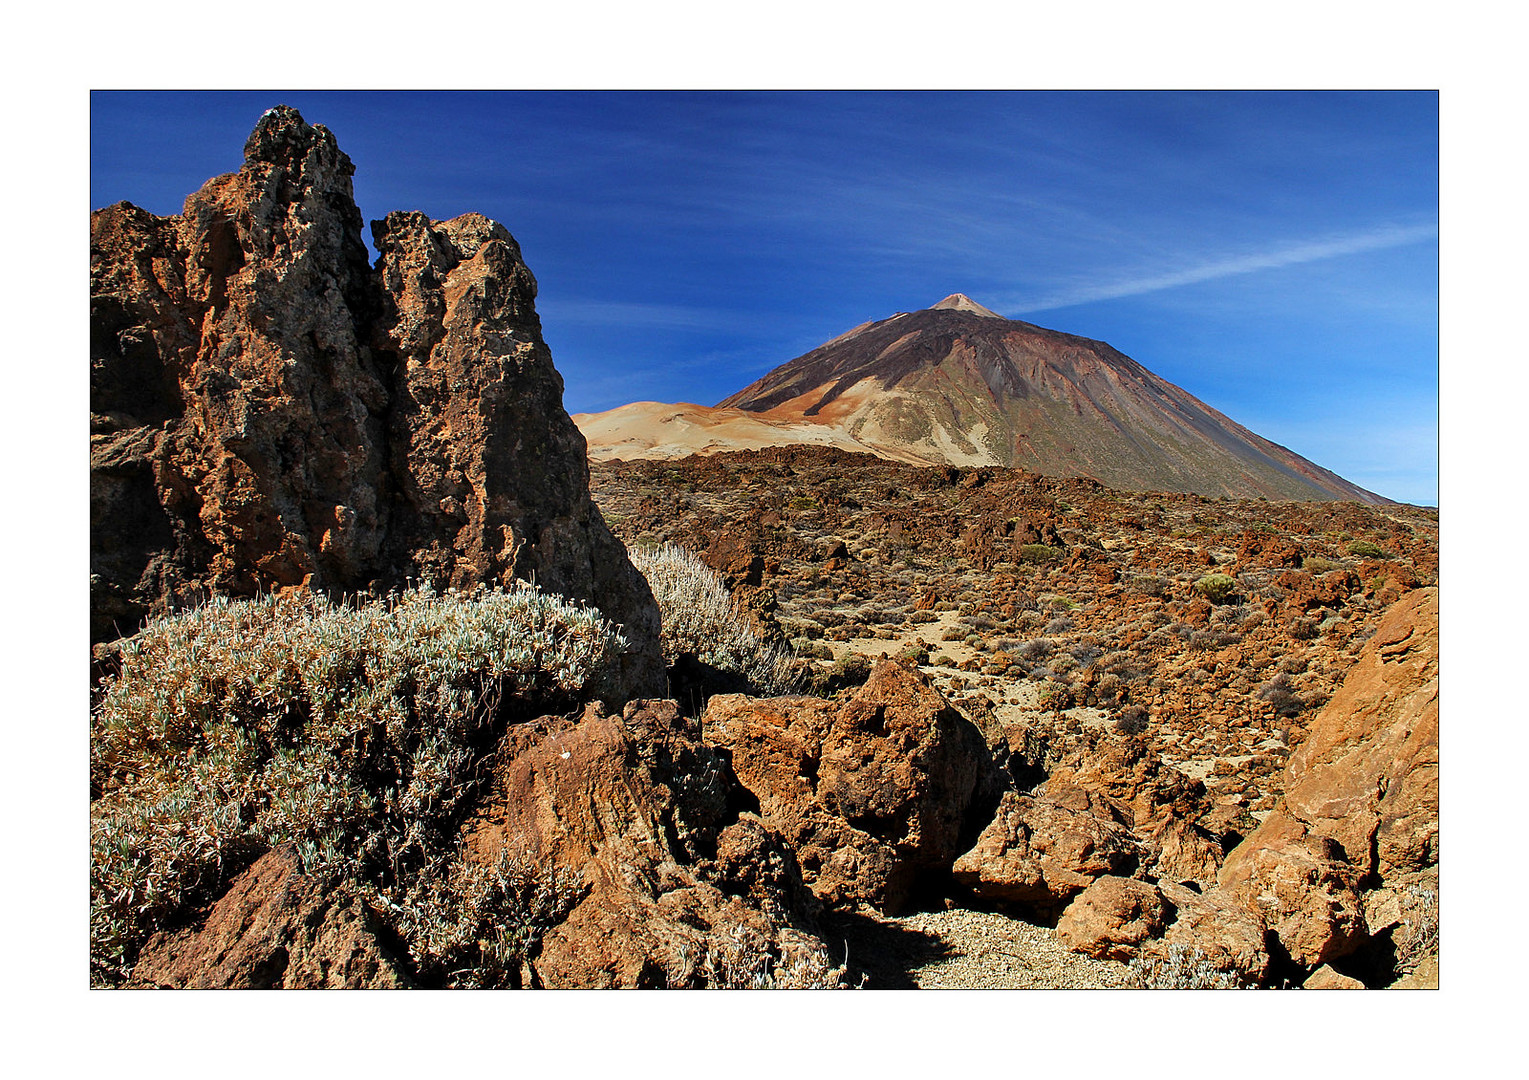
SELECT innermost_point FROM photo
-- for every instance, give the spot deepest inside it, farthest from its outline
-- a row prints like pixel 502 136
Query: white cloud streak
pixel 1389 236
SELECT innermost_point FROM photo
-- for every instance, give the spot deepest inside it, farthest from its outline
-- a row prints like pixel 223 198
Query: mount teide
pixel 959 384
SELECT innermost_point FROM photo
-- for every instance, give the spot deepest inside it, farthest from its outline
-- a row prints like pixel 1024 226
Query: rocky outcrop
pixel 269 411
pixel 275 928
pixel 680 885
pixel 877 795
pixel 1038 854
pixel 1111 918
pixel 1361 806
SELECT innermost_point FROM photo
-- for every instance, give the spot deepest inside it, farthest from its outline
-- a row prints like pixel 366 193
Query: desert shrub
pixel 700 619
pixel 471 926
pixel 1365 549
pixel 1316 564
pixel 354 732
pixel 852 669
pixel 745 960
pixel 915 651
pixel 1132 720
pixel 1419 936
pixel 1184 968
pixel 1060 625
pixel 1278 692
pixel 1037 649
pixel 1217 588
pixel 1037 554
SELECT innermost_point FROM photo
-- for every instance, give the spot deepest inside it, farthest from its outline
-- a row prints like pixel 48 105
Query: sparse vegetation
pixel 700 619
pixel 354 732
pixel 1038 554
pixel 1366 549
pixel 1184 968
pixel 1217 588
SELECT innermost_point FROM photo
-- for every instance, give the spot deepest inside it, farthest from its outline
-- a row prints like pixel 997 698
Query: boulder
pixel 274 928
pixel 1111 918
pixel 1039 854
pixel 878 795
pixel 1220 934
pixel 1301 886
pixel 680 887
pixel 1360 808
pixel 1367 775
pixel 268 411
pixel 1326 978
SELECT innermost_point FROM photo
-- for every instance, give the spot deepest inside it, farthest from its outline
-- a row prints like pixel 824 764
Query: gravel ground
pixel 966 950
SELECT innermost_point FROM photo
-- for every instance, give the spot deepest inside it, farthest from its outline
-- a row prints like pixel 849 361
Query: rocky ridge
pixel 268 411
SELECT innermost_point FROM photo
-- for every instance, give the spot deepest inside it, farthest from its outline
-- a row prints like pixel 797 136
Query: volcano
pixel 959 384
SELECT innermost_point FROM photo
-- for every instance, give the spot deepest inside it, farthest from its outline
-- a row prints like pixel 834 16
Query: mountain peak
pixel 961 302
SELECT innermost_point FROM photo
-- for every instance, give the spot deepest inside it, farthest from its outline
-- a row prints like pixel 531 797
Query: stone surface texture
pixel 878 795
pixel 274 928
pixel 269 411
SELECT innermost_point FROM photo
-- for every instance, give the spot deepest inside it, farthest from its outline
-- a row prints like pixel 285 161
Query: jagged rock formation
pixel 676 874
pixel 275 928
pixel 268 411
pixel 959 384
pixel 878 795
pixel 1359 822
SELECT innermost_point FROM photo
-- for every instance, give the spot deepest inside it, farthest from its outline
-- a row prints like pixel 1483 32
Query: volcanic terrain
pixel 392 688
pixel 959 384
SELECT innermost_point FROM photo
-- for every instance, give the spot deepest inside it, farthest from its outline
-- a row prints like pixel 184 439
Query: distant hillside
pixel 959 384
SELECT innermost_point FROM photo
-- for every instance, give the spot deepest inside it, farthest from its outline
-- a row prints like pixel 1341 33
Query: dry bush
pixel 1184 968
pixel 745 960
pixel 354 732
pixel 701 619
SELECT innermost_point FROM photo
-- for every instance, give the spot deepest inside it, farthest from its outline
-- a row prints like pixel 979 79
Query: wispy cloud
pixel 1388 236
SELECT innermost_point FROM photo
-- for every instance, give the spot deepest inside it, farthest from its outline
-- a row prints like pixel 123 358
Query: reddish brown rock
pixel 672 873
pixel 1182 852
pixel 1269 549
pixel 1111 918
pixel 274 928
pixel 1131 780
pixel 1367 775
pixel 268 411
pixel 1325 978
pixel 1039 854
pixel 1221 934
pixel 1301 887
pixel 878 795
pixel 1361 795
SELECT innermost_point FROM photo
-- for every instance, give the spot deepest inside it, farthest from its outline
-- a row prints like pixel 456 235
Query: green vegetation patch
pixel 1217 588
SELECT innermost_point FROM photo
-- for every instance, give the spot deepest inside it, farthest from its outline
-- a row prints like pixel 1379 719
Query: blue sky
pixel 1275 254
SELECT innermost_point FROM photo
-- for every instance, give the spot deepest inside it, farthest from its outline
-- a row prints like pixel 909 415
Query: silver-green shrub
pixel 700 618
pixel 353 731
pixel 1183 968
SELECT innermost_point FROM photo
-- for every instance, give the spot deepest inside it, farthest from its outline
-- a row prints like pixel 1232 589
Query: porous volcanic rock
pixel 1111 918
pixel 649 817
pixel 1222 934
pixel 877 795
pixel 1360 808
pixel 1038 854
pixel 275 928
pixel 268 411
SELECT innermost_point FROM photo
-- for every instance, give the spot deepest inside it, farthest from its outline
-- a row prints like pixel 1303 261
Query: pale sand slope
pixel 654 430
